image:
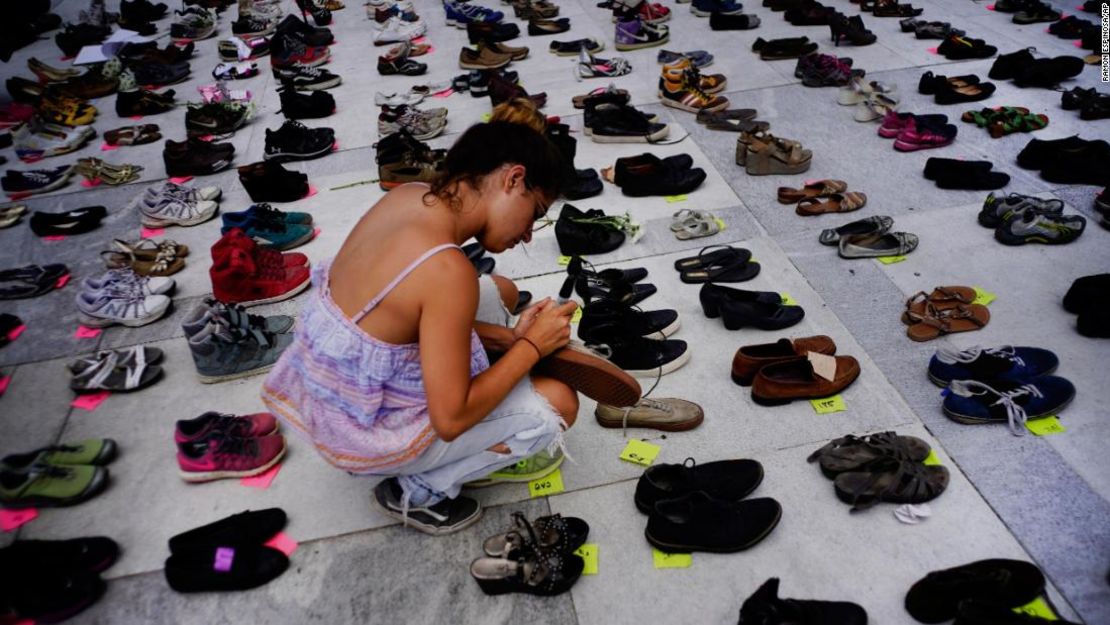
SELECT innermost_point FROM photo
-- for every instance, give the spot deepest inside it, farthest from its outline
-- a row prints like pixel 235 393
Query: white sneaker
pixel 128 281
pixel 102 308
pixel 398 99
pixel 396 30
pixel 184 191
pixel 176 208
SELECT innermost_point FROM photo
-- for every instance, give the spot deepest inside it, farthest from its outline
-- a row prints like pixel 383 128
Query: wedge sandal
pixel 557 532
pixel 934 323
pixel 834 203
pixel 790 195
pixel 893 481
pixel 852 453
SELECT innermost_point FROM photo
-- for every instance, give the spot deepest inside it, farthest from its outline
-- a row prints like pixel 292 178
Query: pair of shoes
pixel 311 105
pixel 293 141
pixel 850 29
pixel 704 507
pixel 147 257
pixel 689 224
pixel 193 24
pixel 591 45
pixel 1028 11
pixel 218 446
pixel 924 29
pixel 37 140
pixel 268 181
pixel 917 132
pixel 194 157
pixel 647 174
pixel 882 467
pixel 946 310
pixel 75 221
pixel 242 49
pixel 535 559
pixel 765 607
pixel 133 135
pixel 788 48
pixel 732 120
pixel 869 237
pixel 739 308
pixel 493 32
pixel 123 297
pixel 986 591
pixel 1003 120
pixel 216 118
pixel 229 554
pixel 271 228
pixel 27 183
pixel 57 579
pixel 577 184
pixel 141 102
pixel 699 58
pixel 717 263
pixel 401 158
pixel 489 56
pixel 1028 71
pixel 245 273
pixel 954 90
pixel 227 344
pixel 1091 104
pixel 610 119
pixel 592 232
pixel 1089 297
pixel 461 14
pixel 825 70
pixel 668 414
pixel 119 371
pixel 11 215
pixel 1071 160
pixel 539 26
pixel 720 20
pixel 421 124
pixel 682 86
pixel 822 196
pixel 960 47
pixel 502 88
pixel 805 368
pixel 60 475
pixel 305 78
pixel 635 34
pixel 651 13
pixel 763 154
pixel 171 204
pixel 96 171
pixel 950 173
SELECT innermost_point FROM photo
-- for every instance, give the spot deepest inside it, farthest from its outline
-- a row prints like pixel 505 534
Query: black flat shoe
pixel 1012 583
pixel 946 93
pixel 765 607
pixel 929 82
pixel 714 296
pixel 697 522
pixel 77 221
pixel 1006 66
pixel 727 480
pixel 1047 73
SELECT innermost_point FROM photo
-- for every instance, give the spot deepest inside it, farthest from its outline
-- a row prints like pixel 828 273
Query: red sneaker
pixel 238 279
pixel 263 256
pixel 224 426
pixel 220 457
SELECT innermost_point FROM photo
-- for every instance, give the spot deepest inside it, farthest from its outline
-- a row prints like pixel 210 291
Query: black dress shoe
pixel 1047 73
pixel 77 221
pixel 91 555
pixel 727 480
pixel 947 93
pixel 930 83
pixel 1038 153
pixel 765 607
pixel 1086 292
pixel 586 233
pixel 935 597
pixel 224 568
pixel 697 522
pixel 1087 165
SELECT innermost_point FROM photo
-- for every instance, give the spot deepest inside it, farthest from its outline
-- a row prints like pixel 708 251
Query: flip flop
pixel 835 203
pixel 789 195
pixel 706 257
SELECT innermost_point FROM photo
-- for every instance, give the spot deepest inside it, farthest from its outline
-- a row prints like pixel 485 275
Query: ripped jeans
pixel 524 422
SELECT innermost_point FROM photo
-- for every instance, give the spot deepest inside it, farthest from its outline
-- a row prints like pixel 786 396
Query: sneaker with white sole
pixel 223 352
pixel 128 307
pixel 396 30
pixel 174 210
pixel 128 280
pixel 446 517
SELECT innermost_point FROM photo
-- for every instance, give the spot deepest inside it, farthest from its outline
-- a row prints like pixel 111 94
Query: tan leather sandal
pixel 790 195
pixel 835 203
pixel 934 323
pixel 942 298
pixel 779 156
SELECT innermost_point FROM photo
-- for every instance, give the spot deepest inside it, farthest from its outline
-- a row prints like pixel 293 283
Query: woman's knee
pixel 508 291
pixel 562 398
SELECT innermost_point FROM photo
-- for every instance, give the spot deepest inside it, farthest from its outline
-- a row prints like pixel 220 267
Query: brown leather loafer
pixel 749 359
pixel 786 381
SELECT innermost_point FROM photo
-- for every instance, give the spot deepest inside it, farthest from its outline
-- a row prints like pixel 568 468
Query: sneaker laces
pixel 951 355
pixel 644 402
pixel 37 176
pixel 1015 414
pixel 690 80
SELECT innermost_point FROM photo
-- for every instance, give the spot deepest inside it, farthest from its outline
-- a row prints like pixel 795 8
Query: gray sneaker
pixel 998 209
pixel 131 308
pixel 235 316
pixel 1032 226
pixel 668 414
pixel 128 280
pixel 222 352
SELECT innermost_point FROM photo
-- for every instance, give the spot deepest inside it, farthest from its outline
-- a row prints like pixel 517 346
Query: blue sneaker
pixel 459 15
pixel 1007 401
pixel 993 363
pixel 263 210
pixel 705 8
pixel 275 234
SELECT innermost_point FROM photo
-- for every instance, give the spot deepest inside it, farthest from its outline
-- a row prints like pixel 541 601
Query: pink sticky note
pixel 311 191
pixel 4 382
pixel 90 401
pixel 14 519
pixel 282 543
pixel 31 159
pixel 152 233
pixel 90 183
pixel 104 147
pixel 932 51
pixel 137 117
pixel 1078 44
pixel 54 237
pixel 19 195
pixel 990 7
pixel 64 280
pixel 180 179
pixel 224 558
pixel 86 333
pixel 335 147
pixel 315 232
pixel 444 94
pixel 419 40
pixel 262 481
pixel 16 332
pixel 206 137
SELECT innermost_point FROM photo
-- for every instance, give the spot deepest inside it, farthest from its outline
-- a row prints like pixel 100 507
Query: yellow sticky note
pixel 588 553
pixel 720 223
pixel 890 260
pixel 640 452
pixel 563 261
pixel 577 316
pixel 675 198
pixel 932 459
pixel 982 296
pixel 1038 607
pixel 787 300
pixel 486 116
pixel 548 485
pixel 828 404
pixel 1045 426
pixel 663 560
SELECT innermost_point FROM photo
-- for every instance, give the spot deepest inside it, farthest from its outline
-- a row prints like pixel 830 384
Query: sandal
pixel 868 226
pixel 778 156
pixel 852 453
pixel 94 169
pixel 705 258
pixel 834 203
pixel 149 248
pixel 942 298
pixel 693 224
pixel 133 135
pixel 110 374
pixel 790 195
pixel 934 323
pixel 539 572
pixel 731 270
pixel 555 532
pixel 891 480
pixel 10 215
pixel 159 262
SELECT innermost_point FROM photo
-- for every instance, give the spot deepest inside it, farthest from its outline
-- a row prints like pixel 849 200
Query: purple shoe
pixel 634 34
pixel 922 137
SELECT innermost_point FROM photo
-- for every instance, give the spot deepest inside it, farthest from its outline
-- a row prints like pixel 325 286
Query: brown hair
pixel 520 111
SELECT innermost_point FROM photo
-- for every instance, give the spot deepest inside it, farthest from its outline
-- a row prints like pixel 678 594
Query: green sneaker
pixel 532 468
pixel 96 451
pixel 47 486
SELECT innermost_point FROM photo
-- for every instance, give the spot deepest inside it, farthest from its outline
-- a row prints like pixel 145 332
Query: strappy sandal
pixel 94 169
pixel 133 135
pixel 727 270
pixel 694 225
pixel 942 298
pixel 10 215
pixel 790 195
pixel 109 374
pixel 779 156
pixel 934 323
pixel 540 572
pixel 149 248
pixel 893 481
pixel 555 532
pixel 712 255
pixel 834 203
pixel 159 262
pixel 852 453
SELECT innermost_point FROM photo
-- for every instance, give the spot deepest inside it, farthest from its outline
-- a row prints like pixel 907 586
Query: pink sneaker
pixel 225 426
pixel 219 457
pixel 923 138
pixel 218 92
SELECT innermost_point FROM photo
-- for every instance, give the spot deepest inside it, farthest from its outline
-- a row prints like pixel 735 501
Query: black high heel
pixel 618 285
pixel 320 15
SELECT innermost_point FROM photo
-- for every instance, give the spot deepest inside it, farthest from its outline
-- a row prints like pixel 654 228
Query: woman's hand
pixel 549 327
pixel 528 316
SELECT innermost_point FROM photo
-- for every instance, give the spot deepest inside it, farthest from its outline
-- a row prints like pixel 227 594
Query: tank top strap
pixel 401 276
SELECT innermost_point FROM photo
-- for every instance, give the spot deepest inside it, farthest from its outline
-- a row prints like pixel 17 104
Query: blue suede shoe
pixel 1006 401
pixel 275 234
pixel 991 363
